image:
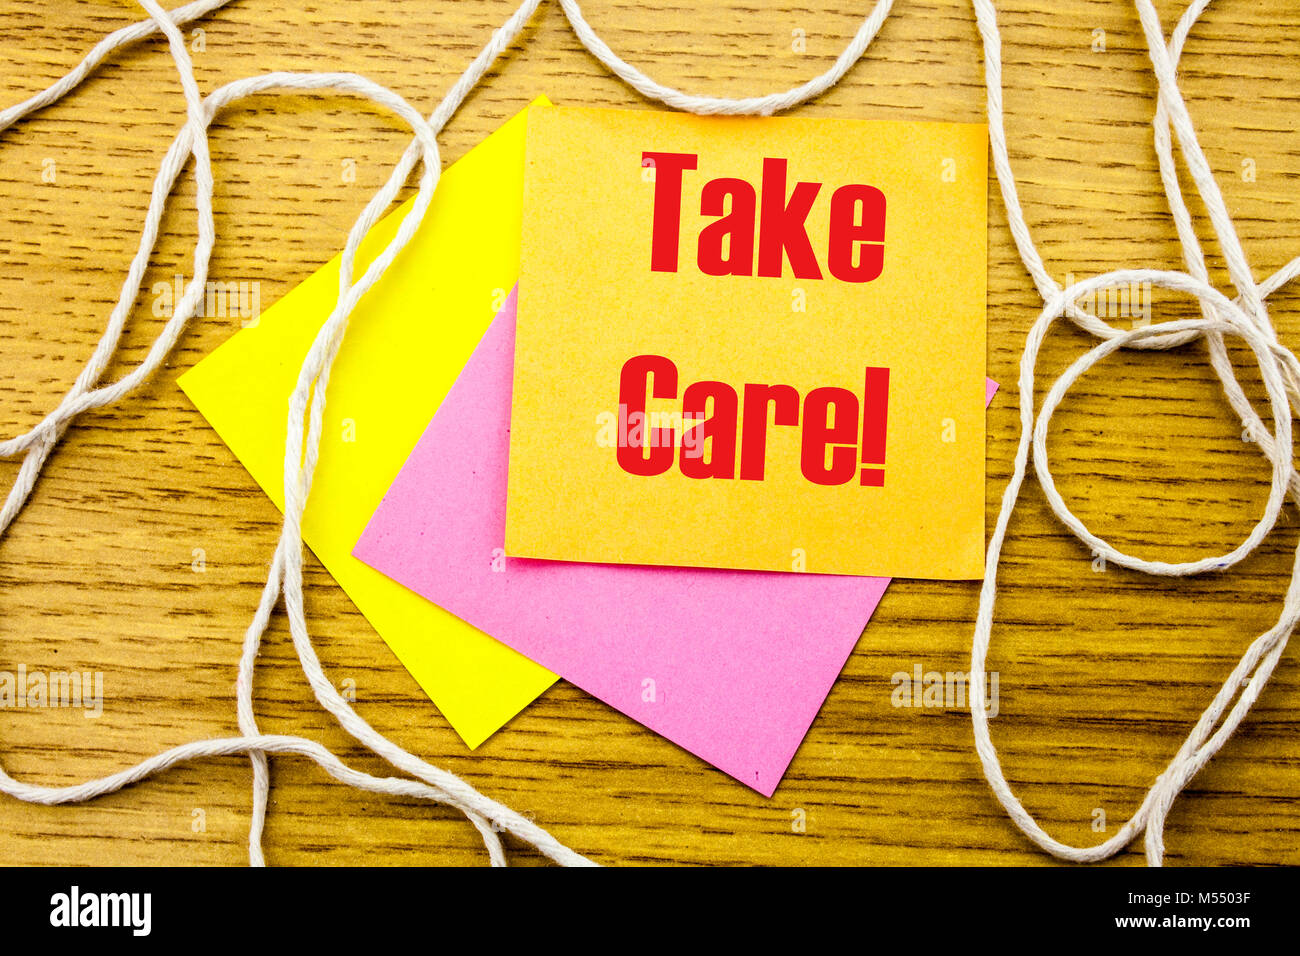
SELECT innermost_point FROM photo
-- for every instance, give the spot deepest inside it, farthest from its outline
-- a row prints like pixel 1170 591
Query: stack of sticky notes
pixel 652 402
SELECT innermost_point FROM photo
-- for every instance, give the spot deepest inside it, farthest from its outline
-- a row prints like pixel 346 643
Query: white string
pixel 286 569
pixel 712 105
pixel 111 43
pixel 1246 318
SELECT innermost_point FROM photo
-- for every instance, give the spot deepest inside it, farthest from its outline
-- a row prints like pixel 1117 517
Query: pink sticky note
pixel 731 665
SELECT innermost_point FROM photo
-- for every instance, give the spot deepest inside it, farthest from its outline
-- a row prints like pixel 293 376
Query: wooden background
pixel 1102 673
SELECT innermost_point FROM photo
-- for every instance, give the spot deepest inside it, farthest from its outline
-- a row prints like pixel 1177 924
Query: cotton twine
pixel 1245 317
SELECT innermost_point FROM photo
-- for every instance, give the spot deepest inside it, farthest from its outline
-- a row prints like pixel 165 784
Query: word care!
pixel 829 443
pixel 751 343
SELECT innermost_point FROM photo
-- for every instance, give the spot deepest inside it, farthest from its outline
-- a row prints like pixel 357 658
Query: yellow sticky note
pixel 751 343
pixel 406 343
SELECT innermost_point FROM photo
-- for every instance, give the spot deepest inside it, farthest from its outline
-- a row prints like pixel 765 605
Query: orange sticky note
pixel 751 343
pixel 407 341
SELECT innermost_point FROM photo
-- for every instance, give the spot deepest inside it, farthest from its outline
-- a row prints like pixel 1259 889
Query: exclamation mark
pixel 875 417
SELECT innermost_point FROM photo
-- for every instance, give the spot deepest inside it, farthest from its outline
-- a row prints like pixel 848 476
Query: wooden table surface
pixel 1102 672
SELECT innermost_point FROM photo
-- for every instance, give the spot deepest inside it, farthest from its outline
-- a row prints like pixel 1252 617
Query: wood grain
pixel 1101 673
